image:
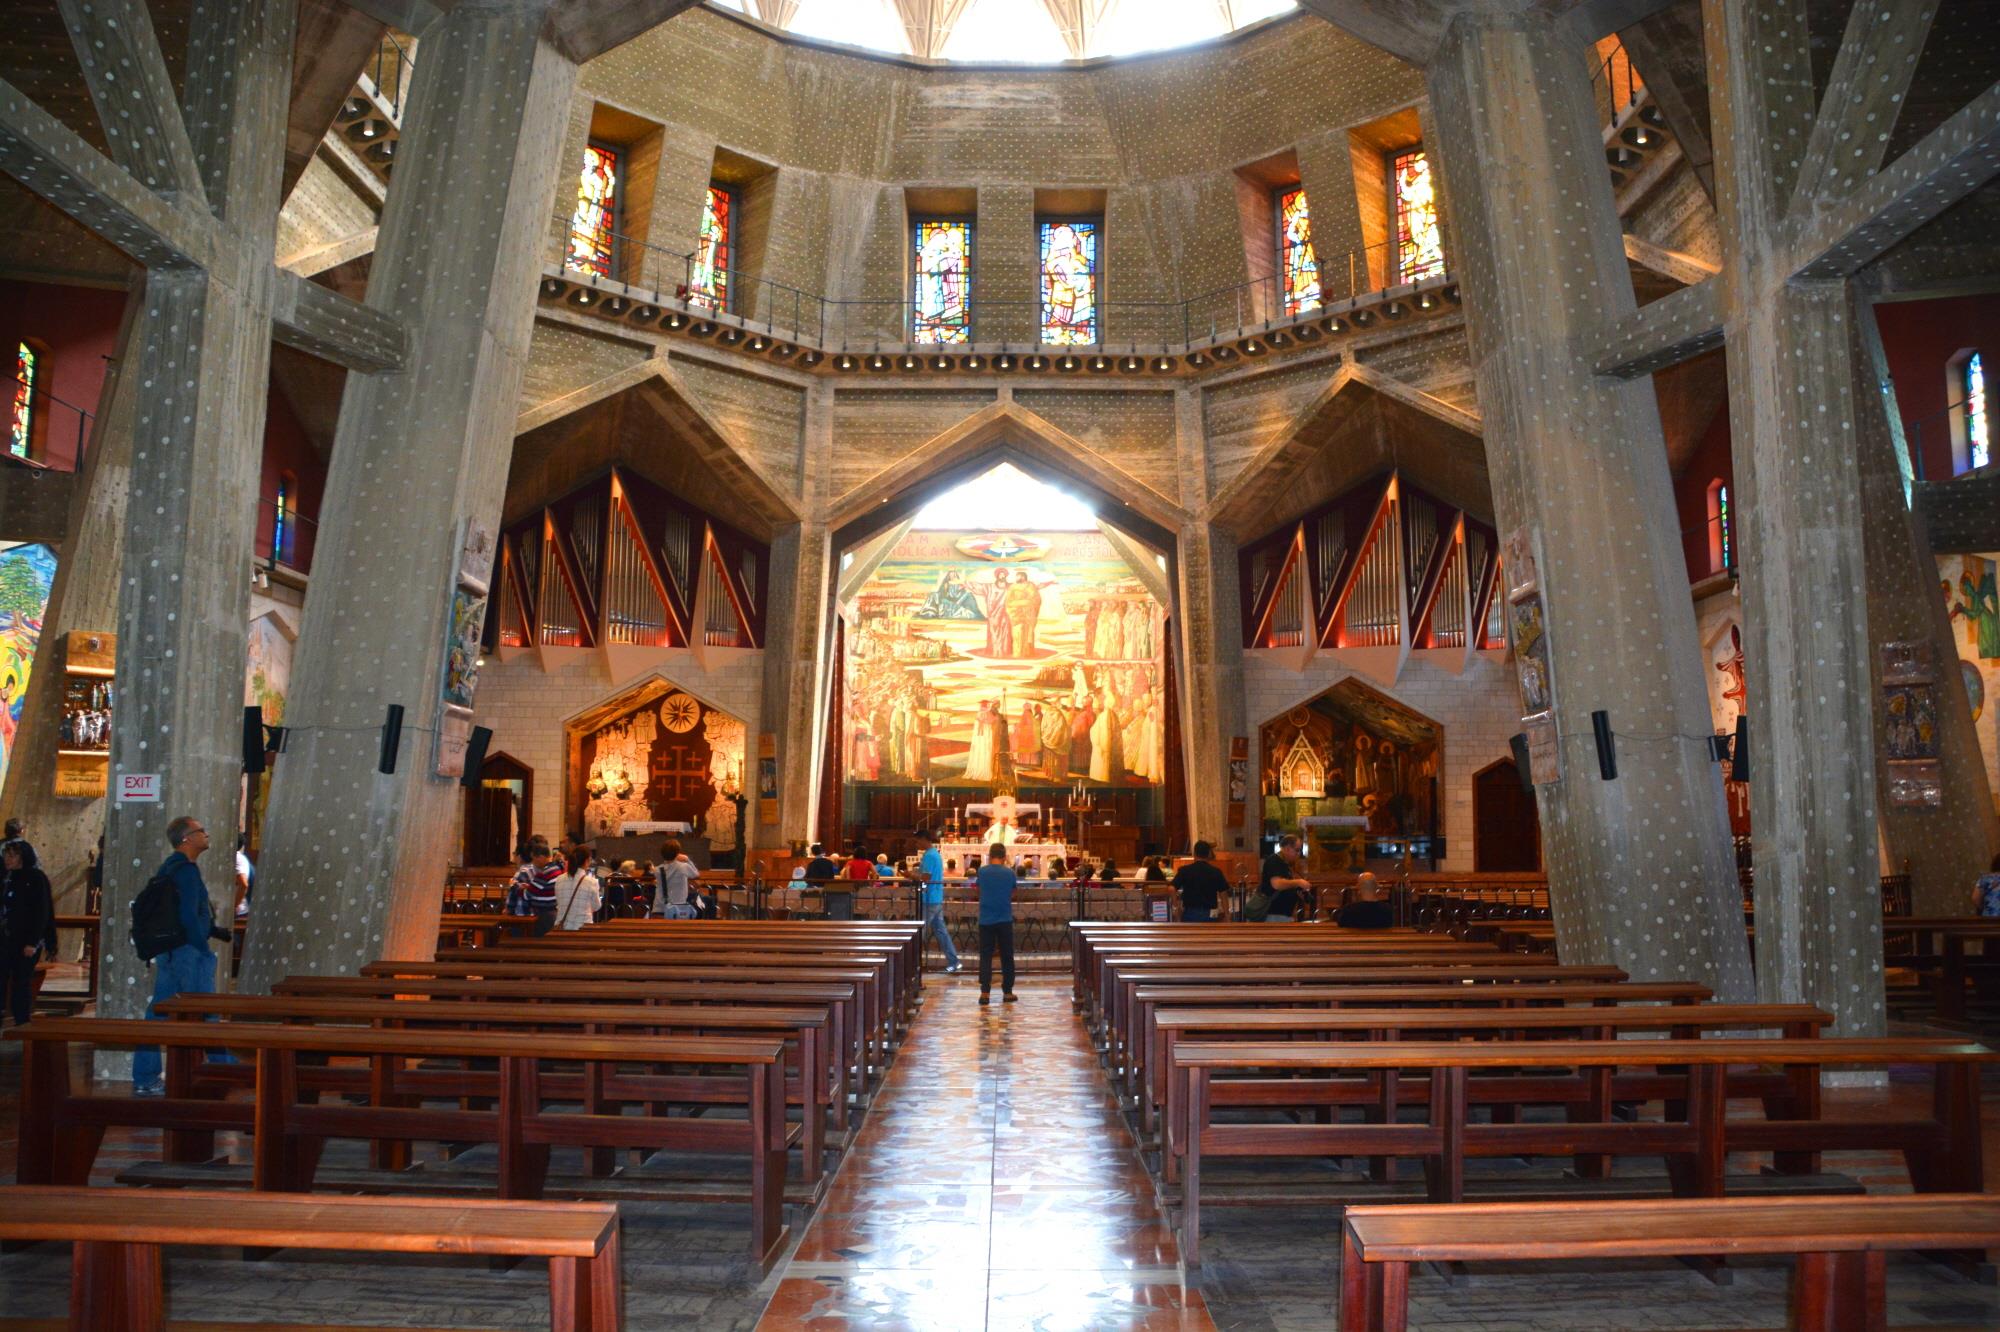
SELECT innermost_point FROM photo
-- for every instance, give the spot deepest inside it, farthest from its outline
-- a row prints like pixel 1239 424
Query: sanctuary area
pixel 999 663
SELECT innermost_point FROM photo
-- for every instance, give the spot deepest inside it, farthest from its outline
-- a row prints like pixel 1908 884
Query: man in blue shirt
pixel 930 868
pixel 996 923
pixel 189 967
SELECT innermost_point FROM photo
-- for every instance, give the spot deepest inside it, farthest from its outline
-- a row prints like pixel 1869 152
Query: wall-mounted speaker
pixel 392 735
pixel 475 755
pixel 1607 749
pixel 1718 747
pixel 1518 742
pixel 1739 757
pixel 253 739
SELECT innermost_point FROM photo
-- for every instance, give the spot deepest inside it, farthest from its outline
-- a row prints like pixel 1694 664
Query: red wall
pixel 286 449
pixel 77 328
pixel 1919 339
pixel 1711 460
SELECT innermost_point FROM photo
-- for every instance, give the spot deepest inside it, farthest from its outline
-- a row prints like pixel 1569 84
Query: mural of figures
pixel 1971 594
pixel 26 574
pixel 987 659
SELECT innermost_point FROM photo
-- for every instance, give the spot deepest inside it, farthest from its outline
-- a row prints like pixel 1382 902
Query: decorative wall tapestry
pixel 26 574
pixel 1910 731
pixel 465 620
pixel 1527 626
pixel 984 660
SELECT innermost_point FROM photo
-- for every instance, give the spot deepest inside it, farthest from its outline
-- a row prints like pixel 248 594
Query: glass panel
pixel 708 282
pixel 1300 266
pixel 941 309
pixel 1722 524
pixel 278 522
pixel 1419 241
pixel 21 430
pixel 595 219
pixel 1069 283
pixel 1979 444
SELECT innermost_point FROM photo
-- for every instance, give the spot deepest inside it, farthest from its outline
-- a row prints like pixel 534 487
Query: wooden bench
pixel 117 1278
pixel 1837 1284
pixel 805 1028
pixel 1087 938
pixel 1942 1151
pixel 1682 1021
pixel 61 1129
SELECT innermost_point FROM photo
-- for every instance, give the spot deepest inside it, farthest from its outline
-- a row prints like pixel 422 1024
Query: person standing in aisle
pixel 996 923
pixel 930 868
pixel 1200 885
pixel 189 966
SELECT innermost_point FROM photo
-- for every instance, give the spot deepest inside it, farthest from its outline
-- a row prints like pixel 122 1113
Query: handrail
pixel 39 398
pixel 1615 84
pixel 390 72
pixel 869 323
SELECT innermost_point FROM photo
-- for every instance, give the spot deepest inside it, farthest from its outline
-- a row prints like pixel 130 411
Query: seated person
pixel 883 869
pixel 1366 910
pixel 819 869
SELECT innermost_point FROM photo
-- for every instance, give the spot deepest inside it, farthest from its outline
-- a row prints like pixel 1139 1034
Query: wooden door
pixel 502 802
pixel 1506 832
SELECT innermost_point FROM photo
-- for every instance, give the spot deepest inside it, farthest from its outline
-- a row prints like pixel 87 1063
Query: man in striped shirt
pixel 535 885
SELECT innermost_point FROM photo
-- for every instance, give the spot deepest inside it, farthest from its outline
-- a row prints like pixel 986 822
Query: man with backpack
pixel 172 923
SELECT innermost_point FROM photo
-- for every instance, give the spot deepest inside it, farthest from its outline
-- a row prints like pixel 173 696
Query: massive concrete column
pixel 355 860
pixel 1639 867
pixel 1805 640
pixel 796 648
pixel 204 339
pixel 1211 685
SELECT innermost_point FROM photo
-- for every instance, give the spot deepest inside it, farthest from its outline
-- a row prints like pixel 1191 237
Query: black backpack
pixel 156 919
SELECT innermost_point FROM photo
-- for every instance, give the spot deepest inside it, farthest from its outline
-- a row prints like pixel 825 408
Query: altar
pixel 1030 859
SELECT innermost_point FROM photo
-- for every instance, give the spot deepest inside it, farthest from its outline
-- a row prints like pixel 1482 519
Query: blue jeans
pixel 186 970
pixel 934 921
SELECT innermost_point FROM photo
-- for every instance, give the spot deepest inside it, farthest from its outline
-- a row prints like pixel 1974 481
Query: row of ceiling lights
pixel 1003 362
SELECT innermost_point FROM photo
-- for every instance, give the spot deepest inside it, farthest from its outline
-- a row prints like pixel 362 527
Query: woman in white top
pixel 676 875
pixel 578 896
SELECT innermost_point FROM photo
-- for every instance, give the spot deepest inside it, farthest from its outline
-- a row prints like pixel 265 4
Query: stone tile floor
pixel 993 1185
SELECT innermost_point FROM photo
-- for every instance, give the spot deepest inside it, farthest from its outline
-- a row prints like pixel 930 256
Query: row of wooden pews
pixel 756 1046
pixel 1308 1041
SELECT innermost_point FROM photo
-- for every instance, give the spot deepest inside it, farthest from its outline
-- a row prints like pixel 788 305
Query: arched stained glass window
pixel 1721 537
pixel 1069 282
pixel 1419 240
pixel 593 225
pixel 708 282
pixel 1978 436
pixel 941 286
pixel 21 420
pixel 1298 266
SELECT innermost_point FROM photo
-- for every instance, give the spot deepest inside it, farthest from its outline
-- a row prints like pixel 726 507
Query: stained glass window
pixel 708 282
pixel 21 424
pixel 1298 265
pixel 593 224
pixel 1069 283
pixel 282 520
pixel 1978 439
pixel 1722 525
pixel 941 303
pixel 1419 241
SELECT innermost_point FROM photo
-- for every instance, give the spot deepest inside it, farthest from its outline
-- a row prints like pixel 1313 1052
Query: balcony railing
pixel 390 70
pixel 60 431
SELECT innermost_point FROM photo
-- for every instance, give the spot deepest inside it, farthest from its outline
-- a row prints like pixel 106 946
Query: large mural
pixel 27 572
pixel 985 660
pixel 1971 588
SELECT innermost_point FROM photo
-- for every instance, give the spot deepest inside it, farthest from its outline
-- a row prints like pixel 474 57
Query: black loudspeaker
pixel 274 739
pixel 1739 757
pixel 253 739
pixel 392 735
pixel 1718 747
pixel 475 755
pixel 1607 751
pixel 1518 742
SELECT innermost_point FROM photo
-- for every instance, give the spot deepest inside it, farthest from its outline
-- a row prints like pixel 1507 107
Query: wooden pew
pixel 62 1128
pixel 905 937
pixel 117 1277
pixel 840 1002
pixel 1942 944
pixel 805 1028
pixel 1942 1151
pixel 1840 1243
pixel 1087 938
pixel 1682 1021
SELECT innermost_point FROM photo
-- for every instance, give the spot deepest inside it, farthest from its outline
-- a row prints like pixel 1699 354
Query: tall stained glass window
pixel 941 300
pixel 1722 525
pixel 1298 265
pixel 1419 240
pixel 708 282
pixel 21 421
pixel 282 518
pixel 594 222
pixel 1978 436
pixel 1069 283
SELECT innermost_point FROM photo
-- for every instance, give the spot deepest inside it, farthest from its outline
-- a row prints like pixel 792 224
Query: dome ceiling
pixel 1015 31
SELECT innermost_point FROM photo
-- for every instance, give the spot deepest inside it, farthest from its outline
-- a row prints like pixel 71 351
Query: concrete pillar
pixel 1806 647
pixel 1639 867
pixel 797 647
pixel 84 596
pixel 203 370
pixel 355 861
pixel 1211 683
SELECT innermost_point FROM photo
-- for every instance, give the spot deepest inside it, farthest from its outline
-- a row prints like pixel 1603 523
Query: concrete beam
pixel 586 29
pixel 1949 163
pixel 128 81
pixel 1670 264
pixel 1864 94
pixel 311 263
pixel 1407 29
pixel 1672 329
pixel 326 324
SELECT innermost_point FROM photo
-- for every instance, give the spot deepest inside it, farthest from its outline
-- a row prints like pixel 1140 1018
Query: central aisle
pixel 993 1186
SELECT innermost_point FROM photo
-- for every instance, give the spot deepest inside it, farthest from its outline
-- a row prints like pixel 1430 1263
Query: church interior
pixel 1418 576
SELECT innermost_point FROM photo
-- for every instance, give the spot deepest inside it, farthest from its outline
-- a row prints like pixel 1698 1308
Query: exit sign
pixel 139 788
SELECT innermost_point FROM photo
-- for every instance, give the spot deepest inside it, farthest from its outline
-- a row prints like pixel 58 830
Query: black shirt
pixel 1365 916
pixel 1283 901
pixel 1200 884
pixel 820 869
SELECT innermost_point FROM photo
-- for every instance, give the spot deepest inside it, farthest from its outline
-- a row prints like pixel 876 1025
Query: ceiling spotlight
pixel 675 319
pixel 909 362
pixel 809 359
pixel 1099 364
pixel 1162 364
pixel 732 336
pixel 355 107
pixel 972 362
pixel 703 328
pixel 380 152
pixel 783 350
pixel 583 296
pixel 940 362
pixel 1004 361
pixel 553 287
pixel 1068 364
pixel 1131 365
pixel 759 342
pixel 1427 300
pixel 845 362
pixel 1304 333
pixel 1395 310
pixel 616 305
pixel 1225 353
pixel 1254 347
pixel 1362 318
pixel 1280 338
pixel 1036 363
pixel 645 314
pixel 1452 294
pixel 878 362
pixel 1197 359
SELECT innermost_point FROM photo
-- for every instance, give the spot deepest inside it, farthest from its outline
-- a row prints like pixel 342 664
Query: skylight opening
pixel 1012 31
pixel 1005 498
pixel 1018 31
pixel 872 24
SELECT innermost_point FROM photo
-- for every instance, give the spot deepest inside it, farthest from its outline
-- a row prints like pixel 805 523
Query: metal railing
pixel 1937 436
pixel 300 535
pixel 389 72
pixel 1615 85
pixel 51 419
pixel 653 274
